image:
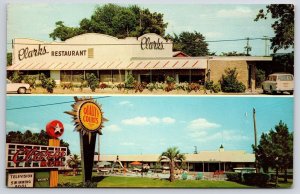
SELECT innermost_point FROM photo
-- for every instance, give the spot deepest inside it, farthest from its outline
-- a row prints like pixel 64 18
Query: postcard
pixel 138 96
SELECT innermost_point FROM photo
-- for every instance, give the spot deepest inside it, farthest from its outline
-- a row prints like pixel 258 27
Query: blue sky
pixel 214 21
pixel 151 124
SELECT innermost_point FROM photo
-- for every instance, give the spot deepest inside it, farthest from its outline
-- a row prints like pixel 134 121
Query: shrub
pixel 233 176
pixel 67 85
pixel 258 179
pixel 103 85
pixel 170 79
pixel 151 87
pixel 16 77
pixel 31 80
pixel 43 80
pixel 169 87
pixel 216 88
pixel 184 176
pixel 129 81
pixel 92 81
pixel 139 87
pixel 208 85
pixel 260 76
pixel 49 84
pixel 193 87
pixel 229 82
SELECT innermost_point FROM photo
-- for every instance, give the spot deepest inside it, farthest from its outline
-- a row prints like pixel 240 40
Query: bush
pixel 258 179
pixel 216 88
pixel 43 80
pixel 16 77
pixel 234 176
pixel 49 85
pixel 151 87
pixel 31 80
pixel 184 176
pixel 88 184
pixel 260 76
pixel 92 81
pixel 103 85
pixel 208 85
pixel 229 82
pixel 170 79
pixel 67 85
pixel 129 81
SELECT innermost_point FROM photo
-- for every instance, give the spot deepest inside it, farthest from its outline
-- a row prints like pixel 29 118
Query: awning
pixel 135 64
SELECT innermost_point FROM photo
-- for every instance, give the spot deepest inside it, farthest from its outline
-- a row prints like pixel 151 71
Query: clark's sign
pixel 148 44
pixel 22 156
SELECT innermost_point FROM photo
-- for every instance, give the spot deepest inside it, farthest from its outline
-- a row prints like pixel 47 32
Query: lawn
pixel 113 181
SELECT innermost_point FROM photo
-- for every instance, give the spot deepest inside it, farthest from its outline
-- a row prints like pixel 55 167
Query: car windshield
pixel 285 77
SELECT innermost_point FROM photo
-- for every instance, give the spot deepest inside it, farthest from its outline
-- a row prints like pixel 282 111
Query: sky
pixel 151 124
pixel 214 21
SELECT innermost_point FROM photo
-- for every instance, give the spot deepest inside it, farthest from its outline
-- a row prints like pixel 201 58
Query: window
pixel 285 77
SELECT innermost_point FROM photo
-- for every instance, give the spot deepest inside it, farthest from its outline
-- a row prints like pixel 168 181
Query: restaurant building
pixel 204 161
pixel 149 58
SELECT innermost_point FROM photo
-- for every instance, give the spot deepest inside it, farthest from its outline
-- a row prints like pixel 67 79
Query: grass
pixel 138 182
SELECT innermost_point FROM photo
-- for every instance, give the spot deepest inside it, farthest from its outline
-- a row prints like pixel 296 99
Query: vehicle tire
pixel 272 91
pixel 291 92
pixel 22 90
pixel 264 91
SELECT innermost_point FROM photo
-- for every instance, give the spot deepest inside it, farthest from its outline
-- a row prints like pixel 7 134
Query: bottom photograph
pixel 149 141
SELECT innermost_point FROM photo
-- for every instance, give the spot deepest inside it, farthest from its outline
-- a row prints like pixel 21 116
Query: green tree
pixel 16 77
pixel 8 59
pixel 233 53
pixel 275 150
pixel 284 15
pixel 28 137
pixel 172 155
pixel 92 81
pixel 191 43
pixel 73 162
pixel 116 21
pixel 230 83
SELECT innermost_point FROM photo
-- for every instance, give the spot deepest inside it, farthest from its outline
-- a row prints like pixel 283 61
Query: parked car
pixel 279 82
pixel 20 88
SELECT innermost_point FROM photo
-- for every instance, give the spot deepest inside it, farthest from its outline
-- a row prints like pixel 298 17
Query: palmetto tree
pixel 173 155
pixel 73 162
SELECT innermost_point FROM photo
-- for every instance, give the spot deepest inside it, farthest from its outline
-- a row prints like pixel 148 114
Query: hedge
pixel 234 176
pixel 258 179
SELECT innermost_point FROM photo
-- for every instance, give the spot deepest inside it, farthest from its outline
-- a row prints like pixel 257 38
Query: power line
pixel 50 104
pixel 128 44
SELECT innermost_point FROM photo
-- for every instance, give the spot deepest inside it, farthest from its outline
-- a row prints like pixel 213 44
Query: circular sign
pixel 55 129
pixel 90 116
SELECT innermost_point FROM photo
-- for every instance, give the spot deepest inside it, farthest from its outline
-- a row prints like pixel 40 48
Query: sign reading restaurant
pixel 22 156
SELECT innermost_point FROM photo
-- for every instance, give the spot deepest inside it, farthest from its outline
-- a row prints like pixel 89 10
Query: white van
pixel 279 82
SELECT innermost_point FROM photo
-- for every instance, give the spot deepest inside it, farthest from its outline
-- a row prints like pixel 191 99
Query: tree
pixel 73 162
pixel 191 43
pixel 116 21
pixel 283 26
pixel 233 53
pixel 173 155
pixel 230 83
pixel 275 150
pixel 8 59
pixel 32 138
pixel 92 81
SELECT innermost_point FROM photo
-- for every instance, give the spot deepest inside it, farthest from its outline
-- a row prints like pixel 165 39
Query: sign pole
pixel 54 173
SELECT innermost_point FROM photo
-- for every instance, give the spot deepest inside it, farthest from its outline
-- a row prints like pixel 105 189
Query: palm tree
pixel 73 162
pixel 173 155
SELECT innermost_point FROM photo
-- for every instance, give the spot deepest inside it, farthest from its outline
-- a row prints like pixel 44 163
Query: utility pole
pixel 195 151
pixel 98 148
pixel 248 47
pixel 266 45
pixel 255 136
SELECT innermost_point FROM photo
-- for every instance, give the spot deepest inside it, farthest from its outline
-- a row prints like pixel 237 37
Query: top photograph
pixel 150 49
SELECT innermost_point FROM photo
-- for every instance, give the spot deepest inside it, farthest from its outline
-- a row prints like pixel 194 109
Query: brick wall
pixel 218 67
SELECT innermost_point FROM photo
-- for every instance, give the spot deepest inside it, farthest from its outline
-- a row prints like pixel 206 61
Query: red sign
pixel 55 129
pixel 35 156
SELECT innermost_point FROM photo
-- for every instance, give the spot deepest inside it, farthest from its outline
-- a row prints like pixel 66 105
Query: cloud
pixel 112 128
pixel 236 12
pixel 147 121
pixel 12 126
pixel 201 124
pixel 125 103
pixel 225 135
pixel 168 120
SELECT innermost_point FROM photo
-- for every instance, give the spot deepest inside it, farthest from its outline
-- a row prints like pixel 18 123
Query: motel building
pixel 149 58
pixel 204 161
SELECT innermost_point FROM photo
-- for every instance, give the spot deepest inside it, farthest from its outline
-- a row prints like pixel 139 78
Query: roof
pixel 204 156
pixel 133 64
